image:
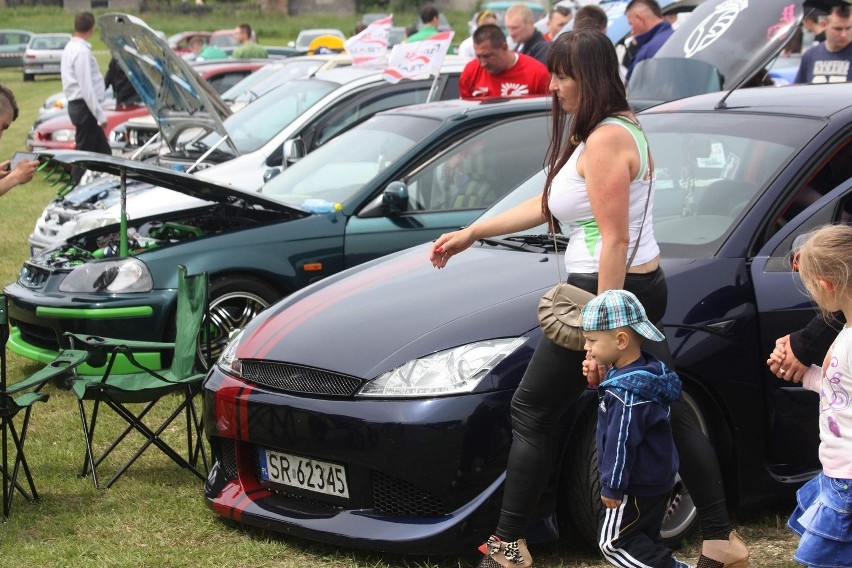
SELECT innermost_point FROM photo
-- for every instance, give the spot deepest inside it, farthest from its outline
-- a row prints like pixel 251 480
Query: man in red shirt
pixel 499 72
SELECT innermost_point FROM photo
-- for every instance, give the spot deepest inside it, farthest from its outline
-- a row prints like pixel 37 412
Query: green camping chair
pixel 147 386
pixel 18 397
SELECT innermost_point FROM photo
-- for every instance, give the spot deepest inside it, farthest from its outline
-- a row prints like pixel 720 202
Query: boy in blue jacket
pixel 637 459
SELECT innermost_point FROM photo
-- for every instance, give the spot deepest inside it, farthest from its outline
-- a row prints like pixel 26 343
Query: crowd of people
pixel 598 185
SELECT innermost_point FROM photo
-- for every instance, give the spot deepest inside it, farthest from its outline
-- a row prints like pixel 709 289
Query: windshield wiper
pixel 527 242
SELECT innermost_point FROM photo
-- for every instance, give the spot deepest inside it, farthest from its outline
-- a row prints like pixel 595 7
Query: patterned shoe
pixel 506 554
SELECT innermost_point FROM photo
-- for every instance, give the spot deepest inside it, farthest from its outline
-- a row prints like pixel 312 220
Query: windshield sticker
pixel 788 18
pixel 713 26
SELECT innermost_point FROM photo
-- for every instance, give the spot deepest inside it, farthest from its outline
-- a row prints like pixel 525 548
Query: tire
pixel 29 77
pixel 234 301
pixel 580 489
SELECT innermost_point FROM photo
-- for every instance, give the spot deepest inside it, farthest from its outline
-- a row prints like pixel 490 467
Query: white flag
pixel 419 58
pixel 370 47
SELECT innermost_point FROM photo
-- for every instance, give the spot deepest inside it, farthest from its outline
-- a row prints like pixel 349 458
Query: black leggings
pixel 553 381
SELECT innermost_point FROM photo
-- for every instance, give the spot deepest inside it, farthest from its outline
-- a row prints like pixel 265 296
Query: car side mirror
pixel 395 197
pixel 270 173
pixel 294 150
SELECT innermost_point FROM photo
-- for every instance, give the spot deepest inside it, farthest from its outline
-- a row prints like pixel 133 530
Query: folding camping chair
pixel 20 397
pixel 147 386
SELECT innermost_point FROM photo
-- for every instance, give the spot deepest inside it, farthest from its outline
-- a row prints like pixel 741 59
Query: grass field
pixel 156 514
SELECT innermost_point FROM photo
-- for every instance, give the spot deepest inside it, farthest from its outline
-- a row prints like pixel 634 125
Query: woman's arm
pixel 609 163
pixel 522 216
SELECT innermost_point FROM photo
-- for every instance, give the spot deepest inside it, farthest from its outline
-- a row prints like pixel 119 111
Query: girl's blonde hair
pixel 826 255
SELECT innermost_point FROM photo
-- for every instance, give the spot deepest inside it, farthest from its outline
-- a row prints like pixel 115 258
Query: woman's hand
pixel 449 244
pixel 783 363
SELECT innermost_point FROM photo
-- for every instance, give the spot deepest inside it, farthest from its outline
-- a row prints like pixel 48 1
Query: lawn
pixel 156 514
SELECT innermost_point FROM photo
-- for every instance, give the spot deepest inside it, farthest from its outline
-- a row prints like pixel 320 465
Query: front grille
pixel 298 379
pixel 43 337
pixel 395 497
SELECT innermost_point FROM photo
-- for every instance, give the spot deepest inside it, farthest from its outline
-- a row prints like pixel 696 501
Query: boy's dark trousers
pixel 629 535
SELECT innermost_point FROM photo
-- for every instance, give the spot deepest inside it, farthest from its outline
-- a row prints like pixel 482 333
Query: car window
pixel 225 81
pixel 710 167
pixel 475 172
pixel 335 171
pixel 366 106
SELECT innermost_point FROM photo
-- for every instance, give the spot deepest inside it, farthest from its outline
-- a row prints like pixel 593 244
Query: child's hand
pixel 593 372
pixel 610 503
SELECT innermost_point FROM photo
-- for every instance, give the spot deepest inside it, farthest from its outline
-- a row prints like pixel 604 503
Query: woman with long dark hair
pixel 598 191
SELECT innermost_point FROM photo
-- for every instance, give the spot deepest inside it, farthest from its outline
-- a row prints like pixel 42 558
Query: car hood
pixel 177 97
pixel 429 310
pixel 720 46
pixel 174 180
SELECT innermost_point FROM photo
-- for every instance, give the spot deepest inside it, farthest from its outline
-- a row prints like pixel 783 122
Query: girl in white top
pixel 823 517
pixel 598 183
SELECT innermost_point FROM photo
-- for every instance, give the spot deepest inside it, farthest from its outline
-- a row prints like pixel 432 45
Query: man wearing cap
pixel 637 459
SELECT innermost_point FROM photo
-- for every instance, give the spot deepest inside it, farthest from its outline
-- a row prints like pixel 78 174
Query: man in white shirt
pixel 83 86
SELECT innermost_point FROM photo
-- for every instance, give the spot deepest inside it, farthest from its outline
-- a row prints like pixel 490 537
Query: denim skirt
pixel 823 518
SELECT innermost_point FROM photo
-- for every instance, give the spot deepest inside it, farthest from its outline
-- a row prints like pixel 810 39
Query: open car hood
pixel 162 177
pixel 722 45
pixel 177 97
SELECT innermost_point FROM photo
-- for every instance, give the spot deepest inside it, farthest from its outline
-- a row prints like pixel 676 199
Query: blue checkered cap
pixel 618 308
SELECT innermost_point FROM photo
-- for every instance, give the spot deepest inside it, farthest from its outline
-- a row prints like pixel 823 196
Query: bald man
pixel 650 30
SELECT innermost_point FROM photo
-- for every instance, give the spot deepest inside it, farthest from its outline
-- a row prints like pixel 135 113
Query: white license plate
pixel 304 473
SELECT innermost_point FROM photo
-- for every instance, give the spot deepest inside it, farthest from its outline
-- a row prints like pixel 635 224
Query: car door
pixel 367 102
pixel 449 188
pixel 783 307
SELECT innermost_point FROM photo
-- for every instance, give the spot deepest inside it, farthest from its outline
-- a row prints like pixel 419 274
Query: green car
pixel 401 178
pixel 12 46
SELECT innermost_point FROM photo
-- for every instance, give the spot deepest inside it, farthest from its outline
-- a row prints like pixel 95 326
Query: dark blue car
pixel 371 409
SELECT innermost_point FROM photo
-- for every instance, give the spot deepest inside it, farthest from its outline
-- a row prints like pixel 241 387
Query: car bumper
pixel 424 476
pixel 38 320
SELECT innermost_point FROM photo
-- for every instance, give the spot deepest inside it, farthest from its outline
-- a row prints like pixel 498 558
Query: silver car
pixel 43 55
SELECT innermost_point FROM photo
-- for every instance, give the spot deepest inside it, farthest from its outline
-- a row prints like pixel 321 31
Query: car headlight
pixel 120 275
pixel 228 361
pixel 454 371
pixel 63 135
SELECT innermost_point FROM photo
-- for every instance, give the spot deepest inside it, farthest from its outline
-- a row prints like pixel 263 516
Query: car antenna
pixel 783 35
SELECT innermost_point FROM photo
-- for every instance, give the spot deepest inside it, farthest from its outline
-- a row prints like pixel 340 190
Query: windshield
pixel 269 77
pixel 339 168
pixel 259 122
pixel 709 169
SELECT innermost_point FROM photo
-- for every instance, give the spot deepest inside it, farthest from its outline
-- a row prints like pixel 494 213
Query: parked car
pixel 400 178
pixel 13 43
pixel 43 54
pixel 371 409
pixel 305 37
pixel 55 130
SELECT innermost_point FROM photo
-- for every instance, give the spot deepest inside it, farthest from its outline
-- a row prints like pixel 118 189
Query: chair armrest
pixel 81 341
pixel 65 363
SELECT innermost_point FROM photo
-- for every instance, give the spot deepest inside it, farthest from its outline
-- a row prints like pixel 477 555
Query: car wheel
pixel 29 77
pixel 234 301
pixel 579 494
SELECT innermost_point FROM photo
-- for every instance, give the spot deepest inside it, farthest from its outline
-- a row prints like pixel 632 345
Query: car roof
pixel 443 110
pixel 816 101
pixel 349 73
pixel 50 35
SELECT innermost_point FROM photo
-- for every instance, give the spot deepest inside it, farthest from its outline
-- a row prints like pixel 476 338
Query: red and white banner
pixel 370 47
pixel 418 59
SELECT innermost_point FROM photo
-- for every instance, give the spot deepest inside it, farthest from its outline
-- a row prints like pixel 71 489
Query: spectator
pixel 124 91
pixel 591 16
pixel 650 30
pixel 25 170
pixel 498 71
pixel 520 23
pixel 831 60
pixel 557 19
pixel 205 52
pixel 430 19
pixel 482 18
pixel 247 48
pixel 83 86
